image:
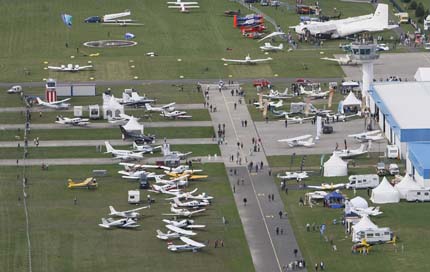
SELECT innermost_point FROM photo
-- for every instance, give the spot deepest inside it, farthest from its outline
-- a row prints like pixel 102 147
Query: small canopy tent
pixel 422 74
pixel 335 167
pixel 351 103
pixel 111 107
pixel 334 200
pixel 385 193
pixel 405 185
pixel 364 224
pixel 133 125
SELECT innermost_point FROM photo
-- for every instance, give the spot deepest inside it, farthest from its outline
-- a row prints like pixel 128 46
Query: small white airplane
pixel 247 60
pixel 168 107
pixel 186 223
pixel 313 93
pixel 69 68
pixel 190 204
pixel 120 223
pixel 174 233
pixel 181 181
pixel 347 153
pixel 271 104
pixel 126 214
pixel 371 211
pixel 122 154
pixel 294 175
pixel 374 136
pixel 134 99
pixel 327 186
pixel 178 2
pixel 281 113
pixel 15 89
pixel 72 121
pixel 114 16
pixel 57 105
pixel 297 119
pixel 271 35
pixel 270 47
pixel 137 174
pixel 343 60
pixel 342 117
pixel 183 7
pixel 305 140
pixel 164 189
pixel 175 114
pixel 344 27
pixel 187 195
pixel 181 169
pixel 189 245
pixel 277 95
pixel 145 148
pixel 183 212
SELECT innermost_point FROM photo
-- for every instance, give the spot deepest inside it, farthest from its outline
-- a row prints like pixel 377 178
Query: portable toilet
pixel 78 111
pixel 94 111
pixel 133 196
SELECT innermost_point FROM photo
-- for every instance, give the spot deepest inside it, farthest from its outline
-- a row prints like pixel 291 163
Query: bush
pixel 406 1
pixel 413 5
pixel 419 12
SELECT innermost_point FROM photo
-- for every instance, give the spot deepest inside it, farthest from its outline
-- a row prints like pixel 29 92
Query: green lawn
pixel 65 237
pixel 91 152
pixel 109 133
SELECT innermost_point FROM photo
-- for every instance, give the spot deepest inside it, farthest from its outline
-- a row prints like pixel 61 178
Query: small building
pixel 111 107
pixel 418 163
pixel 133 196
pixel 94 111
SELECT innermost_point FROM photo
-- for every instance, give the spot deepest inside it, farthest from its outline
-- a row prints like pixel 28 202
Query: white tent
pixel 351 100
pixel 405 185
pixel 385 193
pixel 422 74
pixel 133 125
pixel 335 167
pixel 364 224
pixel 111 107
pixel 359 202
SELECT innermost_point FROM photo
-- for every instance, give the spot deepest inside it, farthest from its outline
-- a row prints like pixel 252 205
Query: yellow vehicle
pixel 89 183
pixel 362 247
pixel 190 177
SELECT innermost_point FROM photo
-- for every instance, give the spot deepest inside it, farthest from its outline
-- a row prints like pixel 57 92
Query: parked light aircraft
pixel 280 113
pixel 345 27
pixel 69 68
pixel 117 19
pixel 137 174
pixel 165 188
pixel 134 100
pixel 175 114
pixel 122 154
pixel 88 183
pixel 145 148
pixel 347 153
pixel 343 60
pixel 190 176
pixel 183 7
pixel 342 117
pixel 15 89
pixel 189 245
pixel 181 169
pixel 185 223
pixel 278 95
pixel 126 214
pixel 327 186
pixel 57 105
pixel 120 223
pixel 183 212
pixel 72 121
pixel 369 211
pixel 297 119
pixel 190 204
pixel 305 140
pixel 270 47
pixel 294 175
pixel 174 233
pixel 375 136
pixel 271 104
pixel 313 93
pixel 187 195
pixel 168 107
pixel 247 60
pixel 177 182
pixel 166 152
pixel 178 2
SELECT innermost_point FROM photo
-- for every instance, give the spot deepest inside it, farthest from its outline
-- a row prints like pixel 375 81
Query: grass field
pixel 199 39
pixel 65 237
pixel 110 133
pixel 91 152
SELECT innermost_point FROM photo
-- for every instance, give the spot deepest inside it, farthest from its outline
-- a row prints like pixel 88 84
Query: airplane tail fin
pixel 159 232
pixel 281 46
pixel 148 107
pixel 109 148
pixel 112 210
pixel 380 17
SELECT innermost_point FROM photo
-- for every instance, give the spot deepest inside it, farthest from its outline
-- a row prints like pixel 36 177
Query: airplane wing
pixel 137 209
pixel 191 242
pixel 234 60
pixel 299 138
pixel 55 68
pixel 59 101
pixel 259 60
pixel 196 226
pixel 84 67
pixel 180 231
pixel 198 211
pixel 183 116
pixel 273 34
pixel 332 59
pixel 168 105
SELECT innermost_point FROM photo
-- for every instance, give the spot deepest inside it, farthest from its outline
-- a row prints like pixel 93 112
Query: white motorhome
pixel 392 152
pixel 373 236
pixel 418 195
pixel 362 181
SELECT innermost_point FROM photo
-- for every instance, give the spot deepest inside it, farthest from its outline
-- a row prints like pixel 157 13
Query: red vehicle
pixel 261 82
pixel 258 28
pixel 303 82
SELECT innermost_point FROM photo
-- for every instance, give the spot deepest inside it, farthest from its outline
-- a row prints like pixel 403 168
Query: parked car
pixel 380 169
pixel 393 168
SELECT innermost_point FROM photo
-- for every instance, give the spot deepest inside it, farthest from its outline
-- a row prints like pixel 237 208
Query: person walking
pixel 245 201
pixel 280 214
pixel 277 230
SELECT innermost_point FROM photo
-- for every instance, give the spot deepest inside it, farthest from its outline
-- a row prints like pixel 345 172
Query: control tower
pixel 364 53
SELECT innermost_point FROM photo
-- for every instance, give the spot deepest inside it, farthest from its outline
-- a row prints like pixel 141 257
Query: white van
pixel 374 236
pixel 392 152
pixel 362 181
pixel 418 195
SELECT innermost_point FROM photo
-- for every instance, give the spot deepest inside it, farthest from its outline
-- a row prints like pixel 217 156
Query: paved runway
pixel 259 217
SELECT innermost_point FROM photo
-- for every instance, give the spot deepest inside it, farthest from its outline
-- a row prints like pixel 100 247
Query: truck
pixel 362 181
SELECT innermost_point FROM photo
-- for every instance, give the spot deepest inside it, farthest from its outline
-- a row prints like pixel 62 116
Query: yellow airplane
pixel 94 54
pixel 362 246
pixel 190 177
pixel 89 183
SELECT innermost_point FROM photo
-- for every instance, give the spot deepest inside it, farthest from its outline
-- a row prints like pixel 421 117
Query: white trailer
pixel 418 195
pixel 373 236
pixel 134 196
pixel 362 181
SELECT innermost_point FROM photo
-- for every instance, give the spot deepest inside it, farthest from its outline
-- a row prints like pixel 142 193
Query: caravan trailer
pixel 362 181
pixel 418 195
pixel 374 236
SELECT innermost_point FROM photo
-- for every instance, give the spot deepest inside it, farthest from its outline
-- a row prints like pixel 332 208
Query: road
pixel 38 109
pixel 270 252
